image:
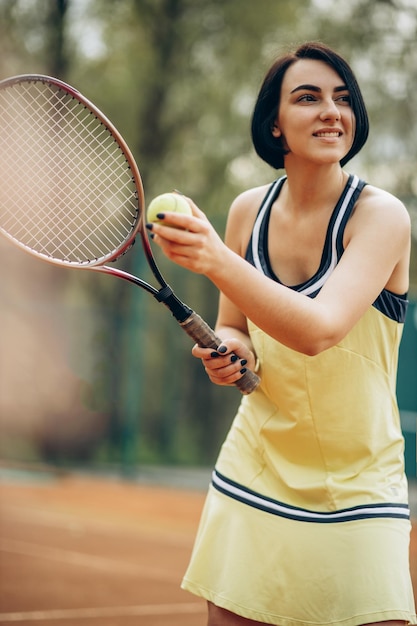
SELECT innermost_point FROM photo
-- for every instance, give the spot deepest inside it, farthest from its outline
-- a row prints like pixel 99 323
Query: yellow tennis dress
pixel 306 521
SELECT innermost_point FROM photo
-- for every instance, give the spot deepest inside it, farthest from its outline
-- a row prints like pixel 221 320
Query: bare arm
pixel 376 256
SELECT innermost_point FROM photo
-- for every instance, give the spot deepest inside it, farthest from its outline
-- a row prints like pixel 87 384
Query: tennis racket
pixel 71 192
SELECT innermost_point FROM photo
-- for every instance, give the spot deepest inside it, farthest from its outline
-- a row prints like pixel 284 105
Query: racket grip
pixel 202 334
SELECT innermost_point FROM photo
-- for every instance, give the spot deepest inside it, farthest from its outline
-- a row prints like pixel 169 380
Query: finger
pixel 224 366
pixel 175 244
pixel 201 353
pixel 178 221
pixel 238 351
pixel 221 377
pixel 195 209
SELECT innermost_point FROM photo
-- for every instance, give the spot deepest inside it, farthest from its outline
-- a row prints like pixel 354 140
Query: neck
pixel 312 188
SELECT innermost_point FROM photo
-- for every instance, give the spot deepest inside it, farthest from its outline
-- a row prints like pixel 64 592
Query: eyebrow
pixel 318 89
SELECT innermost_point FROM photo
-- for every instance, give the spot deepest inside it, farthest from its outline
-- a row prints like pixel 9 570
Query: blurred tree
pixel 179 79
pixel 32 36
pixel 186 66
pixel 55 46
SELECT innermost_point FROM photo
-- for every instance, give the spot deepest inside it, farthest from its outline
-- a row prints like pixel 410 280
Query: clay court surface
pixel 78 551
pixel 82 551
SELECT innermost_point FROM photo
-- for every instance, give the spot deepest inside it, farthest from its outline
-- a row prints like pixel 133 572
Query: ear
pixel 276 131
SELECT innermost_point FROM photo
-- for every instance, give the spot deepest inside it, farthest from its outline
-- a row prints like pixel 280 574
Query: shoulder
pixel 378 201
pixel 377 208
pixel 242 215
pixel 378 234
pixel 249 200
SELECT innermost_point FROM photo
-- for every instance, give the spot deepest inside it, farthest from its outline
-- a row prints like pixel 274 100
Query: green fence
pixel 407 388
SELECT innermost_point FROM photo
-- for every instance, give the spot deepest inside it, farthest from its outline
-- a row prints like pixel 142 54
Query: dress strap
pixel 257 252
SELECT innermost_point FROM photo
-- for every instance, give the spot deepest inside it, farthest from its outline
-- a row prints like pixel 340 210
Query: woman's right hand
pixel 228 363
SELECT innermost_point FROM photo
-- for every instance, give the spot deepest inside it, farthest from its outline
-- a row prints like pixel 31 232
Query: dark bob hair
pixel 270 148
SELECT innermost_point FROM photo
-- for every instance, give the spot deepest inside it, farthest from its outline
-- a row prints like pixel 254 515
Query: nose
pixel 330 110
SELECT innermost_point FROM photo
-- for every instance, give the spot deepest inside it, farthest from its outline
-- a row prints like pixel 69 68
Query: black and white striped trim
pixel 392 305
pixel 268 505
pixel 389 304
pixel 256 233
pixel 311 287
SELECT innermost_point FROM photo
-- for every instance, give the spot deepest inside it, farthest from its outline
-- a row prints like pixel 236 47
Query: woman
pixel 306 521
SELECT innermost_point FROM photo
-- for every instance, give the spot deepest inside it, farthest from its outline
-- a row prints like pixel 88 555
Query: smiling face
pixel 315 119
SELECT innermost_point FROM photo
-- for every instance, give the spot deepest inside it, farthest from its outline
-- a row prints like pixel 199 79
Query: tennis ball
pixel 167 203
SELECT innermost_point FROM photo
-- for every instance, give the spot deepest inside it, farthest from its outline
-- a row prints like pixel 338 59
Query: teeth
pixel 328 134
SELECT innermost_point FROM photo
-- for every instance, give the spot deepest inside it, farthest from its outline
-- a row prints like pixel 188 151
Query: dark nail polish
pixel 234 358
pixel 243 370
pixel 160 216
pixel 222 349
pixel 214 355
pixel 149 226
pixel 243 362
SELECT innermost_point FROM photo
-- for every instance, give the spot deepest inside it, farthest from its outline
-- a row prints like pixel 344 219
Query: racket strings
pixel 67 190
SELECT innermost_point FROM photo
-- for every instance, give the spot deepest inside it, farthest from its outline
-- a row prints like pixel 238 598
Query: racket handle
pixel 202 334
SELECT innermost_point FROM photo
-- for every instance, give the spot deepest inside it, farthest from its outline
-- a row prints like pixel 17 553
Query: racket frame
pixel 190 321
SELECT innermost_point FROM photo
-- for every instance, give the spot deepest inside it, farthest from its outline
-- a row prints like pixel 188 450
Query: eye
pixel 307 97
pixel 345 99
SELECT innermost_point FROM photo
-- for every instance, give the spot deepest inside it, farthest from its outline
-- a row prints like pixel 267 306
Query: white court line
pixel 118 611
pixel 71 557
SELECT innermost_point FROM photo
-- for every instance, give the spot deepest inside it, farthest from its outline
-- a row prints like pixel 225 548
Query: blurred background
pixel 93 372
